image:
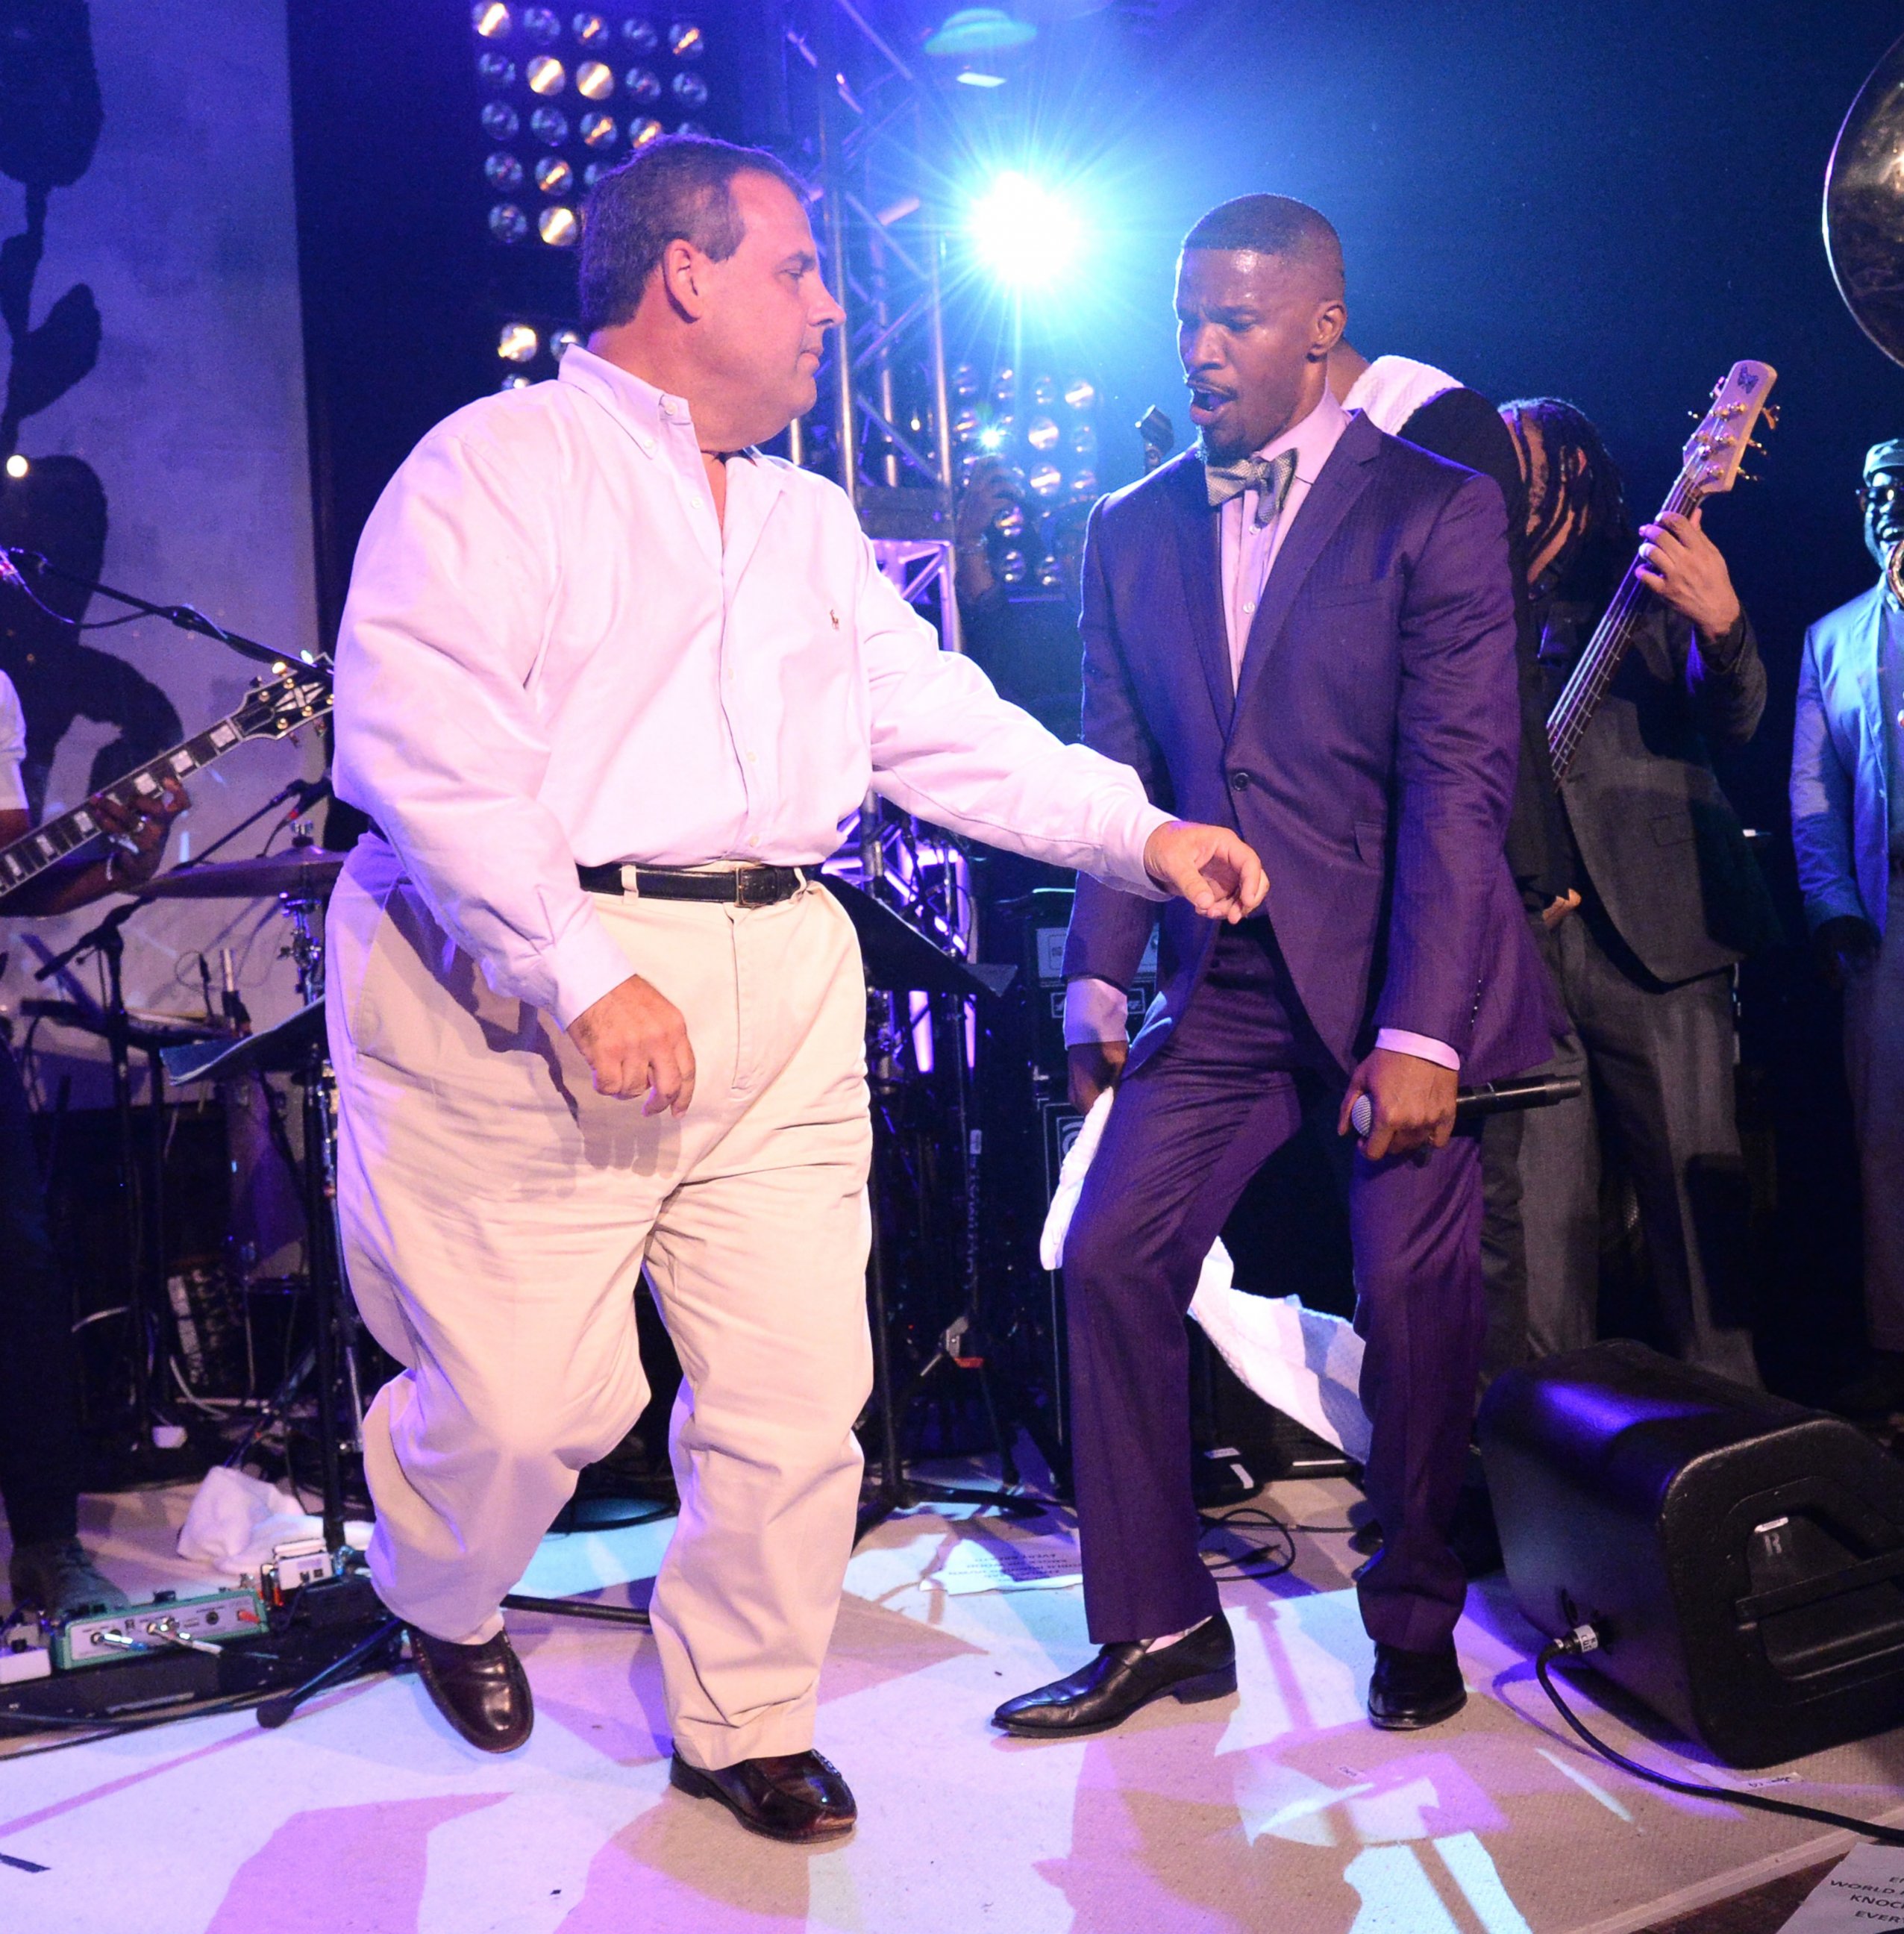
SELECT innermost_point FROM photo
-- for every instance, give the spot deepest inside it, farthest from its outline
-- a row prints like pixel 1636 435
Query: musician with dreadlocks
pixel 1662 898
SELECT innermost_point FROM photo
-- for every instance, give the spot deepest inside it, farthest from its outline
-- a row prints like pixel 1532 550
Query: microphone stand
pixel 18 564
pixel 142 1211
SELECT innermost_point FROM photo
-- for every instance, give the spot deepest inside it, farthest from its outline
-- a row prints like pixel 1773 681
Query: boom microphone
pixel 1491 1097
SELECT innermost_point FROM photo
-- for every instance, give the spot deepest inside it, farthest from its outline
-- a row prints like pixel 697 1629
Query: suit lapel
pixel 1344 477
pixel 1198 531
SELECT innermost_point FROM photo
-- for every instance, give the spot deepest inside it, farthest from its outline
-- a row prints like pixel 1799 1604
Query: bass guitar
pixel 1709 465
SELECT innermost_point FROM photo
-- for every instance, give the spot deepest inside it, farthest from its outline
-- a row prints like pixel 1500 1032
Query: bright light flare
pixel 1028 235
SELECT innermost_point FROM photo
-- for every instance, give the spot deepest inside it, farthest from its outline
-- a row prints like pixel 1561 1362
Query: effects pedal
pixel 23 1653
pixel 166 1623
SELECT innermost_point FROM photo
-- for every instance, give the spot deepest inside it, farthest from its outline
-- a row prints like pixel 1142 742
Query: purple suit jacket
pixel 1368 758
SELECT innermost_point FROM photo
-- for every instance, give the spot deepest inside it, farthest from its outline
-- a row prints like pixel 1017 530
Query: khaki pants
pixel 497 1212
pixel 1874 1061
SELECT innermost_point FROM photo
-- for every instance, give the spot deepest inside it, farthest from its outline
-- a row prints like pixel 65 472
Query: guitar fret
pixel 270 712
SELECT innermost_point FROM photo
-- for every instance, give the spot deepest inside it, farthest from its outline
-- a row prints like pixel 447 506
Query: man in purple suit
pixel 1303 628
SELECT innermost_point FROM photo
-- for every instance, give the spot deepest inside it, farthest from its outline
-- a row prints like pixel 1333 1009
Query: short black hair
pixel 1271 225
pixel 680 188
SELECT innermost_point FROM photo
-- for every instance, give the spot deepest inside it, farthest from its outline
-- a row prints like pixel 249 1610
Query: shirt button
pixel 1248 609
pixel 1239 781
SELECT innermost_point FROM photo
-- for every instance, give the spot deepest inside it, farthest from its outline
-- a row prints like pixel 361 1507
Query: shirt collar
pixel 1313 438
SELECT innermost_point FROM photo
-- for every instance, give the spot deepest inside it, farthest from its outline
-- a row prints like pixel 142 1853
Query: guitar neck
pixel 46 845
pixel 1574 711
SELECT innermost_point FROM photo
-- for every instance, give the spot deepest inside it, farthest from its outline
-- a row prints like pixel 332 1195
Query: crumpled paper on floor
pixel 237 1521
pixel 1304 1363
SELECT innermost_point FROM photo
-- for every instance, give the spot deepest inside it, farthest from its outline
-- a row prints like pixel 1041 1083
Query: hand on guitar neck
pixel 1680 564
pixel 137 835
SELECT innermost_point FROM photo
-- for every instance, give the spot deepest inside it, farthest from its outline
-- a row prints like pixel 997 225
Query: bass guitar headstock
pixel 1716 449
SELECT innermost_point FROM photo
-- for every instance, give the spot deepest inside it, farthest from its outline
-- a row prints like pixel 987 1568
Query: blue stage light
pixel 1027 234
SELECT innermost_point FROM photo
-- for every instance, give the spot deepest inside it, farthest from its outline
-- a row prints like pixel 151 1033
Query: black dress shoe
pixel 1413 1689
pixel 798 1796
pixel 1202 1664
pixel 482 1690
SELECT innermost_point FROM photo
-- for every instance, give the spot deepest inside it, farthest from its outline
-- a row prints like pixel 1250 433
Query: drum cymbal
pixel 304 872
pixel 1864 206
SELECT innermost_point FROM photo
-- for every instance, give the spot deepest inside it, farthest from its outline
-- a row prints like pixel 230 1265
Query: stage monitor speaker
pixel 1741 1557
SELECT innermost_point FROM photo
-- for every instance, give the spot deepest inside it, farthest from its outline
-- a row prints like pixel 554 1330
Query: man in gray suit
pixel 1848 827
pixel 1663 898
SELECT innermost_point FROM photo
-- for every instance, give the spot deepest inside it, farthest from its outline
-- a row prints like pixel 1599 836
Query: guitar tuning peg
pixel 1752 443
pixel 1771 415
pixel 1746 477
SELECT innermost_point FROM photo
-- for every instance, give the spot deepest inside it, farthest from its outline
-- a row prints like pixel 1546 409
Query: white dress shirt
pixel 1095 1010
pixel 554 651
pixel 13 748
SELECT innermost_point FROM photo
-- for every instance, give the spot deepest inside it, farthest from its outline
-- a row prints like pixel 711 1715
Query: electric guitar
pixel 274 709
pixel 1709 465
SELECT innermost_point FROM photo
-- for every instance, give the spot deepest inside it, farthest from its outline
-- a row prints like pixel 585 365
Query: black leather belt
pixel 737 886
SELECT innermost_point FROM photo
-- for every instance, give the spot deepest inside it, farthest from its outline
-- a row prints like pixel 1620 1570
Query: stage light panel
pixel 595 80
pixel 640 36
pixel 491 19
pixel 1083 440
pixel 563 341
pixel 503 172
pixel 643 84
pixel 518 343
pixel 1044 391
pixel 546 76
pixel 1028 235
pixel 1005 387
pixel 515 380
pixel 647 129
pixel 1041 433
pixel 549 125
pixel 558 227
pixel 598 130
pixel 507 223
pixel 691 128
pixel 554 176
pixel 1080 393
pixel 591 30
pixel 685 41
pixel 964 380
pixel 539 24
pixel 1013 568
pixel 1084 484
pixel 691 90
pixel 496 70
pixel 501 121
pixel 1046 480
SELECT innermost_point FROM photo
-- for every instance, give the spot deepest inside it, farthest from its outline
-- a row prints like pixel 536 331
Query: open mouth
pixel 1207 404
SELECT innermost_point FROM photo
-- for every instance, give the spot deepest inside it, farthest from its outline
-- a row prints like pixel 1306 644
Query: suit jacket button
pixel 1239 781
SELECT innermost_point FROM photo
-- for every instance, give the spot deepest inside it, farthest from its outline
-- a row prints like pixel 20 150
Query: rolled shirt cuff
pixel 1095 1010
pixel 1398 1041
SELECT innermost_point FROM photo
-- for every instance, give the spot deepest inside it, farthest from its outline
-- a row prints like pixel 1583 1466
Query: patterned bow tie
pixel 1269 477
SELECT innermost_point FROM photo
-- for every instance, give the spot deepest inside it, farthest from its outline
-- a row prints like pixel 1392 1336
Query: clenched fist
pixel 1208 866
pixel 636 1042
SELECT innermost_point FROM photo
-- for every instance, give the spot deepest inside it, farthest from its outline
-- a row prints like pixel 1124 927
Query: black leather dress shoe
pixel 1202 1664
pixel 1413 1689
pixel 798 1796
pixel 482 1690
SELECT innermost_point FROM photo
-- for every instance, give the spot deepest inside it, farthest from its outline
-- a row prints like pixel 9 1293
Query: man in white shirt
pixel 608 681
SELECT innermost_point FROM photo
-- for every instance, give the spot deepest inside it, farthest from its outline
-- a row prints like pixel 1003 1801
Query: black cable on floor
pixel 1582 1640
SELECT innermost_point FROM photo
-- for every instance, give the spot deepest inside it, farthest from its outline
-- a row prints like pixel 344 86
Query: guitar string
pixel 1583 691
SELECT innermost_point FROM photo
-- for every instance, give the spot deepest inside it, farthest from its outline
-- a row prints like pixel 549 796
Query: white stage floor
pixel 1279 1808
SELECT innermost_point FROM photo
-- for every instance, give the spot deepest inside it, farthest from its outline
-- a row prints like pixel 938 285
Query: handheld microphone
pixel 1491 1097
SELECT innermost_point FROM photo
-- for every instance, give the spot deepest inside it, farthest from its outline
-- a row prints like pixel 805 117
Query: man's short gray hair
pixel 680 188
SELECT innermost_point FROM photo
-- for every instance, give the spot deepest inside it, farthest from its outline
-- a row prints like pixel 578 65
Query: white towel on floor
pixel 237 1521
pixel 1302 1362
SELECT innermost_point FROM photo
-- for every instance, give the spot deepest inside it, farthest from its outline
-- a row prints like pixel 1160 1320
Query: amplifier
pixel 1741 1558
pixel 1042 975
